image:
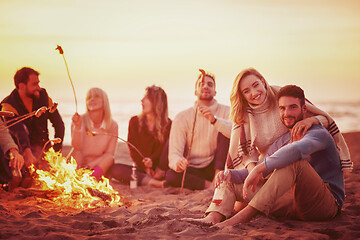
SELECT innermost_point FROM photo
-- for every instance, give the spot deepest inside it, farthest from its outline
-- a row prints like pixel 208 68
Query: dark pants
pixel 122 172
pixel 195 177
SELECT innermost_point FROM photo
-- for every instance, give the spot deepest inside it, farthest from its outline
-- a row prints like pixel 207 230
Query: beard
pixel 206 98
pixel 294 118
pixel 33 95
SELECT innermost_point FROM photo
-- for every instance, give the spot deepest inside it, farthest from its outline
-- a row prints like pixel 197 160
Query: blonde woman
pixel 149 133
pixel 95 152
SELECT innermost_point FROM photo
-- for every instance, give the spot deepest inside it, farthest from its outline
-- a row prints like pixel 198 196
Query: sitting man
pixel 199 138
pixel 306 181
pixel 31 134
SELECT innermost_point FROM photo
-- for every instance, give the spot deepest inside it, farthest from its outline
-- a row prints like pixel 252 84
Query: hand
pixel 253 179
pixel 147 162
pixel 301 127
pixel 205 111
pixel 250 166
pixel 16 161
pixel 76 119
pixel 181 165
pixel 29 157
pixel 149 172
pixel 221 177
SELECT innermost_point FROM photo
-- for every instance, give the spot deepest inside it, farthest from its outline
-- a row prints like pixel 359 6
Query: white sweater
pixel 205 135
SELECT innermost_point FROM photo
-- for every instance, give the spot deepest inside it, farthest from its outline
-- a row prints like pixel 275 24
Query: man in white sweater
pixel 199 138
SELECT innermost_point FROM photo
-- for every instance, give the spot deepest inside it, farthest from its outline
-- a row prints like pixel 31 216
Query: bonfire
pixel 70 187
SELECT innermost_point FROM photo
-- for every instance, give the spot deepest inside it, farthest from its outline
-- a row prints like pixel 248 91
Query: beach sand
pixel 152 213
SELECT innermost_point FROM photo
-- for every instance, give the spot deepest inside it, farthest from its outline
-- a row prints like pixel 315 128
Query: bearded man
pixel 199 138
pixel 31 134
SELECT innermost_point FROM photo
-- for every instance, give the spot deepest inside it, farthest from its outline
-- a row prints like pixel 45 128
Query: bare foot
pixel 209 220
pixel 245 215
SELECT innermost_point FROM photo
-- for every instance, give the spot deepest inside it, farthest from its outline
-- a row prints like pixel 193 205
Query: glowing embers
pixel 72 187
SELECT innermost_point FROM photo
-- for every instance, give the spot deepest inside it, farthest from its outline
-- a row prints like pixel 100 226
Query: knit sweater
pixel 205 135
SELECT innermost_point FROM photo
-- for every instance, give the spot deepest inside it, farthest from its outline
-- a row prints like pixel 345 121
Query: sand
pixel 151 213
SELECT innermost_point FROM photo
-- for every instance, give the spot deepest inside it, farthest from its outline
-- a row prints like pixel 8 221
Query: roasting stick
pixel 192 134
pixel 190 145
pixel 21 118
pixel 89 133
pixel 52 141
pixel 61 51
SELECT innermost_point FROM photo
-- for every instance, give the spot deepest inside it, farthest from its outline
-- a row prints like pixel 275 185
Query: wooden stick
pixel 190 146
pixel 18 118
pixel 21 118
pixel 61 51
pixel 89 133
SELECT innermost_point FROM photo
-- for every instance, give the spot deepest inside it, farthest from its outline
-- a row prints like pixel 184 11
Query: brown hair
pixel 22 75
pixel 292 91
pixel 158 99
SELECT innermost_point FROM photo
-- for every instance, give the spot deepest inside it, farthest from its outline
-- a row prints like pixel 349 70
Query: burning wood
pixel 68 186
pixel 97 193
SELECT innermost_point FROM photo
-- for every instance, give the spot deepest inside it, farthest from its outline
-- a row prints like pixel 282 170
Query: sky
pixel 124 46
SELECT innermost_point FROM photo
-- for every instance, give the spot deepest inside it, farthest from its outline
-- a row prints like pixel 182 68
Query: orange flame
pixel 73 188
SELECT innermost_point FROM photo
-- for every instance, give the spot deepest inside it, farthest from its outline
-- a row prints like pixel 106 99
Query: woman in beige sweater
pixel 95 151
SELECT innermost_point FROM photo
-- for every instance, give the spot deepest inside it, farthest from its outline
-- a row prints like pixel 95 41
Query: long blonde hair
pixel 158 99
pixel 106 108
pixel 239 105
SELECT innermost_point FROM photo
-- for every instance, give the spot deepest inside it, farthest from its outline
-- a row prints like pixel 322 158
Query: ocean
pixel 346 114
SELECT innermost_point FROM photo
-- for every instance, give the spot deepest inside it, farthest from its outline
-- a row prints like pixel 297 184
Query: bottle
pixel 220 190
pixel 16 176
pixel 133 177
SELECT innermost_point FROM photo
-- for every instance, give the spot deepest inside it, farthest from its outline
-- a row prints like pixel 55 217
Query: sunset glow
pixel 125 46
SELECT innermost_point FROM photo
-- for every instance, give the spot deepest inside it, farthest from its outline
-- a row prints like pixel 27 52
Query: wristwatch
pixel 215 119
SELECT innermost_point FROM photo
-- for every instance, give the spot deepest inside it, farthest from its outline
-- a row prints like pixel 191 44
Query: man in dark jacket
pixel 31 134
